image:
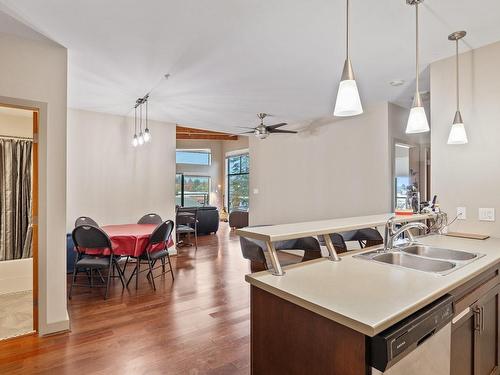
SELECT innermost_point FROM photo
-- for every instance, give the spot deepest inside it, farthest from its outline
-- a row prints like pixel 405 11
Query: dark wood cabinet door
pixel 487 344
pixel 462 345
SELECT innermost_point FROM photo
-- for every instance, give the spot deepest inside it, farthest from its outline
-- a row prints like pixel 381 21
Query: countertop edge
pixel 353 323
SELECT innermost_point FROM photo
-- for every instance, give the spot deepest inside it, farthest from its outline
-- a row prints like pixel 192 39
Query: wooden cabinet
pixel 475 340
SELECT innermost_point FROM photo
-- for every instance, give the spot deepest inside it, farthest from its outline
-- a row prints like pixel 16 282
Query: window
pixel 237 182
pixel 198 157
pixel 192 191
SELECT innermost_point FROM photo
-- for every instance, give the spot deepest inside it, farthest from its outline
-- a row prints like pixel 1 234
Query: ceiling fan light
pixel 348 102
pixel 417 121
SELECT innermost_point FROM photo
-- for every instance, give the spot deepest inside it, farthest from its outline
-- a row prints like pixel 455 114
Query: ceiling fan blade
pixel 282 131
pixel 275 126
pixel 248 132
pixel 246 127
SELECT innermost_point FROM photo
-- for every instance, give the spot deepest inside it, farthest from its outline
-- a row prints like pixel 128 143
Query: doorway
pixel 18 221
pixel 411 173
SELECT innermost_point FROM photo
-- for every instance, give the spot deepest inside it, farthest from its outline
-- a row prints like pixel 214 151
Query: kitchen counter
pixel 369 297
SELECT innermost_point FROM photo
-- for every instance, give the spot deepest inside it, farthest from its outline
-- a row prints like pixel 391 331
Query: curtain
pixel 15 199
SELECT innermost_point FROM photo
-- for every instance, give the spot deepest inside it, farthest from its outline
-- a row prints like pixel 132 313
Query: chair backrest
pixel 87 237
pixel 161 233
pixel 150 219
pixel 181 219
pixel 85 220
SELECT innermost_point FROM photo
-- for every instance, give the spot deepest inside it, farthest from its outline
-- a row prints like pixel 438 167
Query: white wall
pixel 34 73
pixel 468 175
pixel 337 169
pixel 16 275
pixel 111 181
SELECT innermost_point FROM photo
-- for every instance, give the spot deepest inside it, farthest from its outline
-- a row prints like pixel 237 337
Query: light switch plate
pixel 461 213
pixel 487 214
pixel 256 191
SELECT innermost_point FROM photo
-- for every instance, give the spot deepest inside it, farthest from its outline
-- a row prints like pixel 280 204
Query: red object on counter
pixel 130 239
pixel 404 212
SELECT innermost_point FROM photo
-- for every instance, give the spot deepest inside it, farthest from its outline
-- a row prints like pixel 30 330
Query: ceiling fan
pixel 263 131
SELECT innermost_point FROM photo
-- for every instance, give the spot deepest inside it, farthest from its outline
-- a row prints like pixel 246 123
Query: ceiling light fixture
pixel 417 121
pixel 135 141
pixel 397 82
pixel 458 135
pixel 144 137
pixel 348 102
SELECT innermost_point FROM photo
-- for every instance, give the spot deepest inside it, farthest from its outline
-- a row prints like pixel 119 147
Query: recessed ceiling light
pixel 397 82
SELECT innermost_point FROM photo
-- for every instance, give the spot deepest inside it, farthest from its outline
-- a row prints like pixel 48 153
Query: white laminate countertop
pixel 282 232
pixel 368 296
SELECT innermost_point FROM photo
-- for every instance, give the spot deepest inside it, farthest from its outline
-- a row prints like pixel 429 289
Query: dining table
pixel 132 239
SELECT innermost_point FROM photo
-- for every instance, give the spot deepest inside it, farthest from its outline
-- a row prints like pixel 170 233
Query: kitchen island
pixel 318 317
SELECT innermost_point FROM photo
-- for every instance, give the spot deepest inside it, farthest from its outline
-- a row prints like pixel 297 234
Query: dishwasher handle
pixel 426 336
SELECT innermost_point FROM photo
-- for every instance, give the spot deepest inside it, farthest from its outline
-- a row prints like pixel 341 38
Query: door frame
pixel 34 208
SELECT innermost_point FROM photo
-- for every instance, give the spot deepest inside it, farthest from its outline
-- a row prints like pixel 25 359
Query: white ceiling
pixel 230 59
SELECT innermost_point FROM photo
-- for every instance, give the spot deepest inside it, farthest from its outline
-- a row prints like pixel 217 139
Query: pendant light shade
pixel 458 135
pixel 147 136
pixel 417 121
pixel 348 102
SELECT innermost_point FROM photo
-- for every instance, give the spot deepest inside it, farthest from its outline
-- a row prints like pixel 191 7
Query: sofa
pixel 208 218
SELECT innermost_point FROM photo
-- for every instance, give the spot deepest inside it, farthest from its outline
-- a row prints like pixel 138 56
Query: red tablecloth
pixel 131 239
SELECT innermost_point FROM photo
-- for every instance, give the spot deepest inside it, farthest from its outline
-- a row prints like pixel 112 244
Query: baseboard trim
pixel 55 328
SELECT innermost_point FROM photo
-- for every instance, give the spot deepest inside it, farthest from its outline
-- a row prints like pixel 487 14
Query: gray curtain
pixel 15 199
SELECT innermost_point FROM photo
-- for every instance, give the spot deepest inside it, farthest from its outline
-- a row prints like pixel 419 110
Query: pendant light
pixel 457 136
pixel 141 137
pixel 417 121
pixel 348 102
pixel 135 141
pixel 147 134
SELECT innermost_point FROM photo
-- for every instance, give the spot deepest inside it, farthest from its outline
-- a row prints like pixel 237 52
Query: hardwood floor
pixel 199 324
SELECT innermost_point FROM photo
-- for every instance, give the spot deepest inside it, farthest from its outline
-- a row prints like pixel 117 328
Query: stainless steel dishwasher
pixel 420 344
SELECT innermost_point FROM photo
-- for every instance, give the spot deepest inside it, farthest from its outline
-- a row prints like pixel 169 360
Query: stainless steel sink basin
pixel 422 258
pixel 414 262
pixel 434 252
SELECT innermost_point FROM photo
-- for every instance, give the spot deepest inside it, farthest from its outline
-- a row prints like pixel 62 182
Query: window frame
pixel 183 190
pixel 204 151
pixel 240 173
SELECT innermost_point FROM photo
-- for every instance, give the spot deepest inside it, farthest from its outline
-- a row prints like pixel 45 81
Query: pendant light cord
pixel 416 52
pixel 140 119
pixel 347 33
pixel 135 121
pixel 458 85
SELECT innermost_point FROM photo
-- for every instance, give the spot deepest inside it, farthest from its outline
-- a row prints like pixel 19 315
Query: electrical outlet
pixel 487 214
pixel 461 213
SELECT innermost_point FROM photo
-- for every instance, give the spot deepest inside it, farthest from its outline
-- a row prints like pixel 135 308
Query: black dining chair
pixel 150 219
pixel 90 244
pixel 85 220
pixel 186 223
pixel 152 254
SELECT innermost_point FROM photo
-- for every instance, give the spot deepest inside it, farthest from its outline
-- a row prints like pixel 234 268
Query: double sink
pixel 423 258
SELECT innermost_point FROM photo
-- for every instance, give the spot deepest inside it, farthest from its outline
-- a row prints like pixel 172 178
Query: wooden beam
pixel 183 132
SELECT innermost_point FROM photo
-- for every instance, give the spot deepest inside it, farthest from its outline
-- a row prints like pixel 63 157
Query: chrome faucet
pixel 390 234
